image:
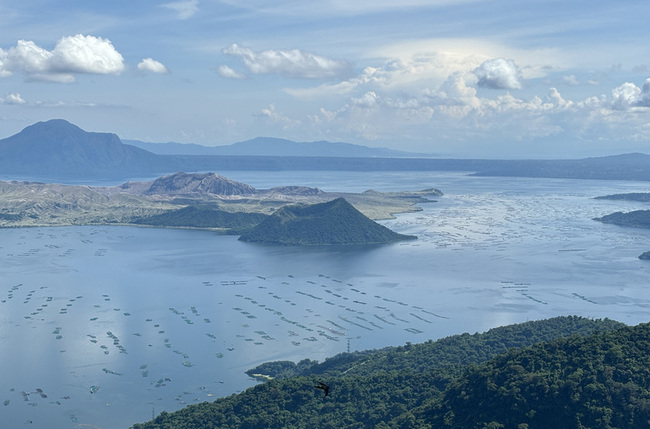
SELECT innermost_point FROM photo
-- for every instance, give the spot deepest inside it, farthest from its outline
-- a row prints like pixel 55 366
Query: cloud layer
pixel 184 9
pixel 294 63
pixel 12 98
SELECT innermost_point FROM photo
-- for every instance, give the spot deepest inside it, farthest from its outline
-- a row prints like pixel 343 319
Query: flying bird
pixel 324 387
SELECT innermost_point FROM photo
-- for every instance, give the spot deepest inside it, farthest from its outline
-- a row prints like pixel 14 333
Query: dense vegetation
pixel 335 222
pixel 203 217
pixel 599 381
pixel 583 373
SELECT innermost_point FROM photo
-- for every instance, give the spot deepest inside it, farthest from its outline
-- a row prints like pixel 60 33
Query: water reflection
pixel 112 323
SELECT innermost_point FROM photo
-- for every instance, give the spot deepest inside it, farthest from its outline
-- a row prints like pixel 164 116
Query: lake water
pixel 106 326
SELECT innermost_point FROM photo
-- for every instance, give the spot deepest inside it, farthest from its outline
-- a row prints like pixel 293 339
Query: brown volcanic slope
pixel 41 204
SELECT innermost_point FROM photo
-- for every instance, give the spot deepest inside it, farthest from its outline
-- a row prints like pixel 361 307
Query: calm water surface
pixel 107 326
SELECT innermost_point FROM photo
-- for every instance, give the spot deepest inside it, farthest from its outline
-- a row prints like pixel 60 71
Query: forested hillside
pixel 599 381
pixel 203 216
pixel 452 383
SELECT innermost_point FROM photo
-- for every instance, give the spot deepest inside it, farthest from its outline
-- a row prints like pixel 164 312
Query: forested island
pixel 635 219
pixel 568 372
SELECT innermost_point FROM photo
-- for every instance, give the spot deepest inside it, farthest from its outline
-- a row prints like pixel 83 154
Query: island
pixel 189 200
pixel 334 222
pixel 634 219
pixel 632 196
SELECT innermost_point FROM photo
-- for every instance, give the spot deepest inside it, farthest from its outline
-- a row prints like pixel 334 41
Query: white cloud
pixel 12 98
pixel 367 100
pixel 337 8
pixel 72 54
pixel 275 116
pixel 499 73
pixel 152 66
pixel 628 95
pixel 184 9
pixel 625 96
pixel 294 63
pixel 228 73
pixel 86 54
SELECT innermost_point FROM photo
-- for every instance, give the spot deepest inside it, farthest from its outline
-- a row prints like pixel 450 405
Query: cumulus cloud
pixel 12 98
pixel 152 66
pixel 367 100
pixel 183 9
pixel 228 73
pixel 72 54
pixel 499 73
pixel 294 63
pixel 629 95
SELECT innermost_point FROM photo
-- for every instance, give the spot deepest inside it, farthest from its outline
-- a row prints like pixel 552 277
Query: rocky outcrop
pixel 198 184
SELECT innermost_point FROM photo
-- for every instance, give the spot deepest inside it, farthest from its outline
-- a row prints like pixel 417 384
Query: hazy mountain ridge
pixel 57 150
pixel 270 146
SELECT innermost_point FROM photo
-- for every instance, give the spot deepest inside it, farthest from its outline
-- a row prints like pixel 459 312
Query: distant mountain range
pixel 269 146
pixel 57 150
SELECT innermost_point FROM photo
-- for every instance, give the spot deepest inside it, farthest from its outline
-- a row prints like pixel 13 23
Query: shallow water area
pixel 107 326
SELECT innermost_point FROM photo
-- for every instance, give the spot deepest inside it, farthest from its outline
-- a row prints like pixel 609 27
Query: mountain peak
pixel 198 183
pixel 52 130
pixel 57 147
pixel 335 222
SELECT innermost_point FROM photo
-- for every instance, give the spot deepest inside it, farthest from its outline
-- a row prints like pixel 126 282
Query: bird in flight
pixel 324 387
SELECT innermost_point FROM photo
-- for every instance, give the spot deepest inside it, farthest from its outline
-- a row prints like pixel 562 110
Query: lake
pixel 106 326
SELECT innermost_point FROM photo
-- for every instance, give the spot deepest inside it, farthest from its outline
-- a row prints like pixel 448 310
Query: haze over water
pixel 107 325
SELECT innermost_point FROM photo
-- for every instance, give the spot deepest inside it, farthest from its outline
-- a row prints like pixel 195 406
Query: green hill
pixel 198 216
pixel 599 381
pixel 335 222
pixel 581 368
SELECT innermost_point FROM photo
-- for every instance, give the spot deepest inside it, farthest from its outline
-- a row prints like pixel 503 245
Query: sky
pixel 456 78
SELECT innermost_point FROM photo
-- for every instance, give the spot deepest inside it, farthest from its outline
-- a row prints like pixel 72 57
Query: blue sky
pixel 461 78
